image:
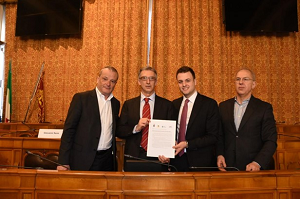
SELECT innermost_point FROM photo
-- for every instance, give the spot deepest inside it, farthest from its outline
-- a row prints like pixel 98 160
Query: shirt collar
pixel 102 96
pixel 244 102
pixel 151 97
pixel 192 98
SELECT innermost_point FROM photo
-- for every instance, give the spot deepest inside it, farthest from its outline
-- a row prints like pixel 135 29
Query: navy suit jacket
pixel 82 131
pixel 202 131
pixel 130 116
pixel 256 138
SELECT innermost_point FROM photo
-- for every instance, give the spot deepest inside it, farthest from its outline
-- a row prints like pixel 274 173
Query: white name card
pixel 50 133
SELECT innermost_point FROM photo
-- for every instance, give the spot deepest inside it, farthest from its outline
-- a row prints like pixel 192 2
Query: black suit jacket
pixel 256 138
pixel 202 131
pixel 82 131
pixel 130 116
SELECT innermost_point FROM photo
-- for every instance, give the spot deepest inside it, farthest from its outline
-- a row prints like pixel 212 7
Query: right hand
pixel 221 163
pixel 61 168
pixel 142 124
pixel 163 159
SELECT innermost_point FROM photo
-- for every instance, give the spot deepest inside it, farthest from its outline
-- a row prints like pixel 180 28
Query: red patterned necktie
pixel 146 114
pixel 182 127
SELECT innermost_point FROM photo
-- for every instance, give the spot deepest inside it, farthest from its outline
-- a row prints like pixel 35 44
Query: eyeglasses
pixel 244 79
pixel 144 78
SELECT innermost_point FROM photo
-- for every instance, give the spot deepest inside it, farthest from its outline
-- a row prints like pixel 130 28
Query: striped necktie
pixel 146 114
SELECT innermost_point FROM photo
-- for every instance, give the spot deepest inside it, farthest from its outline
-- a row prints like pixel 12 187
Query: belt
pixel 101 152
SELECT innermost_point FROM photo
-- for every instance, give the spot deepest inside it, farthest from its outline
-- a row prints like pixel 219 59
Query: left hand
pixel 253 166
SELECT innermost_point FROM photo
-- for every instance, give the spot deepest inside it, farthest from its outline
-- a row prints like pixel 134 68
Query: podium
pixel 49 184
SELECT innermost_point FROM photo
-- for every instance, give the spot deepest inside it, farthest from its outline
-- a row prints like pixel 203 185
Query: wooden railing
pixel 13 147
pixel 16 139
pixel 45 184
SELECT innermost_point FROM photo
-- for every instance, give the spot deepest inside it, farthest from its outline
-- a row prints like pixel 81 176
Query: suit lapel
pixel 94 107
pixel 157 107
pixel 230 112
pixel 136 108
pixel 248 112
pixel 114 112
pixel 196 110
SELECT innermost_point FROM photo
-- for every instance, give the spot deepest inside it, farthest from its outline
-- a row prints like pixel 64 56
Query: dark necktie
pixel 182 127
pixel 146 114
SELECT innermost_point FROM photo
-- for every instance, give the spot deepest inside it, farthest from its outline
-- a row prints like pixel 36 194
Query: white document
pixel 50 133
pixel 161 138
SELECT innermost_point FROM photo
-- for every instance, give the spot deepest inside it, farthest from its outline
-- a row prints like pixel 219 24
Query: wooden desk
pixel 288 149
pixel 13 149
pixel 43 184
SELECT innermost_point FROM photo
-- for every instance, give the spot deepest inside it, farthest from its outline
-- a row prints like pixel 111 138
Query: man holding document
pixel 197 126
pixel 134 122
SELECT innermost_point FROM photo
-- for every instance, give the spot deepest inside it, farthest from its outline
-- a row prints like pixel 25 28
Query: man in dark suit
pixel 133 124
pixel 88 140
pixel 199 131
pixel 248 137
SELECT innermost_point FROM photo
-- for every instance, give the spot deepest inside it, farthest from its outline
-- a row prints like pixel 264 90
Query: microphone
pixel 292 136
pixel 22 167
pixel 155 162
pixel 30 129
pixel 234 168
pixel 12 132
pixel 22 122
pixel 30 153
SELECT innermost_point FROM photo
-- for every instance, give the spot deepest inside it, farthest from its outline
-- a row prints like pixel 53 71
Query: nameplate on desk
pixel 50 133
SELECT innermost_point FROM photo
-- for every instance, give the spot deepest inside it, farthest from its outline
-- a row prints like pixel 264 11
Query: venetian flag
pixel 8 107
pixel 40 98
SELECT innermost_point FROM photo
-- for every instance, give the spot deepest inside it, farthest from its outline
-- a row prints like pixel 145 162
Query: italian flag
pixel 8 109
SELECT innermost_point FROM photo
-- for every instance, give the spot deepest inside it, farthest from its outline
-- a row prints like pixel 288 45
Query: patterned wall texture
pixel 184 32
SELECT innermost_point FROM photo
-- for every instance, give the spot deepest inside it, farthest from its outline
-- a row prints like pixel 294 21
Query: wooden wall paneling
pixel 10 151
pixel 47 184
pixel 202 185
pixel 71 184
pixel 288 184
pixel 158 185
pixel 246 185
pixel 17 183
pixel 288 154
pixel 114 185
pixel 120 153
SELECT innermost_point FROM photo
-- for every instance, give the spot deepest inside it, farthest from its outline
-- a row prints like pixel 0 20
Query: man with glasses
pixel 135 117
pixel 248 137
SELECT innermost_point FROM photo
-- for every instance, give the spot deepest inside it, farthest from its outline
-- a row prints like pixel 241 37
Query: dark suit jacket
pixel 82 131
pixel 255 139
pixel 202 131
pixel 130 116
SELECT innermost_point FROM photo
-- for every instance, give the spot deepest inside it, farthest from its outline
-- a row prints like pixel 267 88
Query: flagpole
pixel 8 104
pixel 34 91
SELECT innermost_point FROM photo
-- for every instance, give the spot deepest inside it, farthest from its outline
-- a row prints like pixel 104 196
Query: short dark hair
pixel 185 69
pixel 148 68
pixel 111 68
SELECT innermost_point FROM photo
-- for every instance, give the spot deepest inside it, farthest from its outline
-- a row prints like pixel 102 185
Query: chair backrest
pixel 41 159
